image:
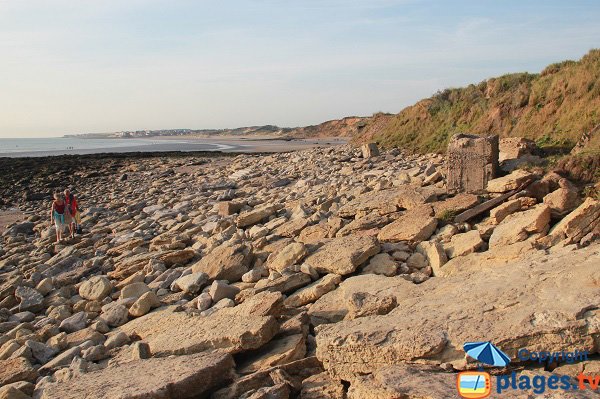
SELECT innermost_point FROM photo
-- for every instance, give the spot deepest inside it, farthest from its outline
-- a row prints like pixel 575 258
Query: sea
pixel 20 147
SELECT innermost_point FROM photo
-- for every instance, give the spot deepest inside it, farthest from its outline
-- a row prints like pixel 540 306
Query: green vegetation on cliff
pixel 554 108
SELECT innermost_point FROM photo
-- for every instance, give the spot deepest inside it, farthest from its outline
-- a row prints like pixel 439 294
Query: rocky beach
pixel 340 272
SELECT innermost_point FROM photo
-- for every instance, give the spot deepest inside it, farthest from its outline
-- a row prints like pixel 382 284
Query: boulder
pixel 514 148
pixel 17 369
pixel 499 213
pixel 226 262
pixel 116 340
pixel 10 392
pixel 435 254
pixel 287 257
pixel 509 182
pixel 167 378
pixel 573 227
pixel 191 283
pixel 334 306
pixel 404 381
pixel 95 288
pixel 114 314
pixel 74 323
pixel 518 226
pixel 41 352
pixel 382 264
pixel 464 244
pixel 343 255
pixel 413 227
pixel 388 201
pixel 227 208
pixel 369 150
pixel 134 290
pixel 181 257
pixel 233 329
pixel 314 291
pixel 322 386
pixel 254 216
pixel 279 351
pixel 361 304
pixel 562 201
pixel 219 290
pixel 62 359
pixel 363 225
pixel 291 228
pixel 144 304
pixel 318 232
pixel 429 323
pixel 29 299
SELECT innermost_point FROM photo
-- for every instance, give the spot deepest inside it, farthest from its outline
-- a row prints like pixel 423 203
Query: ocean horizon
pixel 18 147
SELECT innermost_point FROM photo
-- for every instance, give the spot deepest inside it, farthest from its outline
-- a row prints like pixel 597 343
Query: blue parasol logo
pixel 487 353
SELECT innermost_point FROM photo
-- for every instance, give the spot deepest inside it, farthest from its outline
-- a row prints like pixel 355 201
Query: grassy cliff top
pixel 554 108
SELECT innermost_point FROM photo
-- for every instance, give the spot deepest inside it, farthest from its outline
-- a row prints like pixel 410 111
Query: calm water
pixel 59 146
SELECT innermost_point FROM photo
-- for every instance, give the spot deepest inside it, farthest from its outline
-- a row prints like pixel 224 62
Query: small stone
pixel 140 350
pixel 95 353
pixel 144 304
pixel 252 276
pixel 45 286
pixel 417 261
pixel 204 301
pixel 114 314
pixel 116 340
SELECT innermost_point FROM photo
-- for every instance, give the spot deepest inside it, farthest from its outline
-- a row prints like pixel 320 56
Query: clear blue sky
pixel 71 66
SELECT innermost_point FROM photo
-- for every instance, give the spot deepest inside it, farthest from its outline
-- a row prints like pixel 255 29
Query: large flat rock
pixel 546 302
pixel 157 378
pixel 246 326
pixel 343 255
pixel 334 306
pixel 388 201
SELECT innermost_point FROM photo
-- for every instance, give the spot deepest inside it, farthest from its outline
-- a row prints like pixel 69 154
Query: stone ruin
pixel 370 150
pixel 472 162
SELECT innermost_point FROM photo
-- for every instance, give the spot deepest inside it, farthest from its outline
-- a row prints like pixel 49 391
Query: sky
pixel 79 66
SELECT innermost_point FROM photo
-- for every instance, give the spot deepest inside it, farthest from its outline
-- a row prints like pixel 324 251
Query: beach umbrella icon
pixel 486 352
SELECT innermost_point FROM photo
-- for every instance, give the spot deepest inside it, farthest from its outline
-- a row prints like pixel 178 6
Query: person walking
pixel 73 209
pixel 57 215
